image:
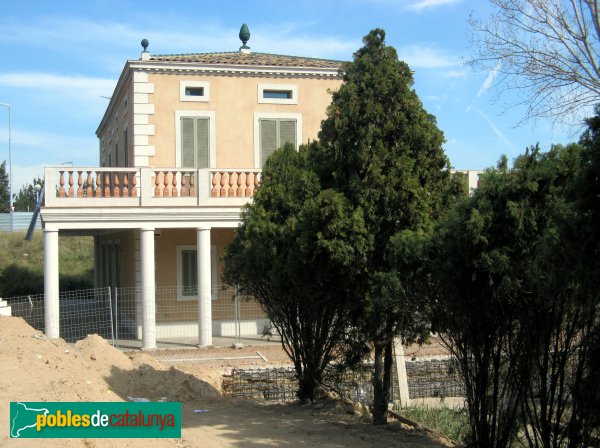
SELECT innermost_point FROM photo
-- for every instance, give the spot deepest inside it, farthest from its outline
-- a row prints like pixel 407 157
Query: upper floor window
pixel 194 139
pixel 194 91
pixel 272 131
pixel 278 93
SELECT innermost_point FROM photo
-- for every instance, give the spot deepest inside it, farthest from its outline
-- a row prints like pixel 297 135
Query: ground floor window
pixel 187 272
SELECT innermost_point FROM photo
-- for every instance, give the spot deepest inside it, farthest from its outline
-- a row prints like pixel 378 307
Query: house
pixel 182 143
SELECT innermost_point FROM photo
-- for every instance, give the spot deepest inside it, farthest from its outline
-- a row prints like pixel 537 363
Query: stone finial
pixel 145 53
pixel 244 37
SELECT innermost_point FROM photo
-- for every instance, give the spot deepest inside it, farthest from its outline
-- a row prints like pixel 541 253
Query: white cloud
pixel 427 4
pixel 426 56
pixel 489 80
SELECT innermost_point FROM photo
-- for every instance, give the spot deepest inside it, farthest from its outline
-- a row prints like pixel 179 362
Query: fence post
pixel 110 312
pixel 401 370
pixel 238 329
pixel 116 316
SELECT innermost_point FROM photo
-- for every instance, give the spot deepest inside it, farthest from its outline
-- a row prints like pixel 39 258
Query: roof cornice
pixel 233 69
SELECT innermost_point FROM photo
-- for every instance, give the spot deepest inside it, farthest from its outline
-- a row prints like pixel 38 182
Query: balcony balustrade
pixel 114 187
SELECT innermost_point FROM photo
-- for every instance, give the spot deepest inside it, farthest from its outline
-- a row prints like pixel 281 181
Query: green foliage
pixel 26 198
pixel 383 152
pixel 4 189
pixel 451 423
pixel 295 252
pixel 512 302
pixel 22 264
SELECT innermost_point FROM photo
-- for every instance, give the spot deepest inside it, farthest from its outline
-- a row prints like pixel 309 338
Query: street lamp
pixel 10 197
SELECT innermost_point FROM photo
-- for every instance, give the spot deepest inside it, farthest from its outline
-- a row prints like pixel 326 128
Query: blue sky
pixel 61 59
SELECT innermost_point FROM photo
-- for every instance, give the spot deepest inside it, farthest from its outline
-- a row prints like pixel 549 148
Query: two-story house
pixel 182 143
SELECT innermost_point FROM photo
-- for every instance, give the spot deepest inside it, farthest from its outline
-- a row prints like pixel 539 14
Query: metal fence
pixel 82 312
pixel 116 314
pixel 17 221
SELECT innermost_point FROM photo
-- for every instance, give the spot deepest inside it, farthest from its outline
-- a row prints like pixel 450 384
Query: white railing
pixel 101 187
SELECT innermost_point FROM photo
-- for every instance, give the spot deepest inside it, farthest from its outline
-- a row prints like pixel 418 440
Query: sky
pixel 61 61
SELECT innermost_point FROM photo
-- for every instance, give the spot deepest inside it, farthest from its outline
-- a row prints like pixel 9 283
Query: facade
pixel 182 143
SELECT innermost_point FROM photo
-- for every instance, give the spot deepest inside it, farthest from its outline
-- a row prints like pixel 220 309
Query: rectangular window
pixel 126 149
pixel 194 91
pixel 274 133
pixel 277 93
pixel 195 144
pixel 187 272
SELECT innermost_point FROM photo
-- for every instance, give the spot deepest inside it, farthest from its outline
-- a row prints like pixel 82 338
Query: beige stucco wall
pixel 234 100
pixel 113 132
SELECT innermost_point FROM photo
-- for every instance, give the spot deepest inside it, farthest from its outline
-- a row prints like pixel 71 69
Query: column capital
pixel 205 227
pixel 148 229
pixel 48 229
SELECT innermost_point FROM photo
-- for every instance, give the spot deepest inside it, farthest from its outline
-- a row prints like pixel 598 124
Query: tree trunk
pixel 382 381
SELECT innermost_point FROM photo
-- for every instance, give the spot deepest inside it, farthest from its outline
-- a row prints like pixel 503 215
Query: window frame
pixel 204 98
pixel 212 149
pixel 274 116
pixel 293 88
pixel 213 271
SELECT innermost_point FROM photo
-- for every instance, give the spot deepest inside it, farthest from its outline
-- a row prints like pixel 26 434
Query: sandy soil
pixel 33 368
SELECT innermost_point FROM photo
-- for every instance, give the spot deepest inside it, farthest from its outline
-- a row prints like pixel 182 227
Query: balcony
pixel 131 187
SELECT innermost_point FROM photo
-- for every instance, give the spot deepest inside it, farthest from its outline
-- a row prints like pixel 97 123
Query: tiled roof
pixel 254 59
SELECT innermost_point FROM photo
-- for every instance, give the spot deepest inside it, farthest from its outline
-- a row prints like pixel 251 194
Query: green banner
pixel 58 420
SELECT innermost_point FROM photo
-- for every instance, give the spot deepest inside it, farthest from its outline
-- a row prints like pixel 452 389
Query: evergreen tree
pixel 4 189
pixel 26 198
pixel 383 152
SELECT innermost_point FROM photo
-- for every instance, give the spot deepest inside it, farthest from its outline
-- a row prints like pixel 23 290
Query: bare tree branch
pixel 549 50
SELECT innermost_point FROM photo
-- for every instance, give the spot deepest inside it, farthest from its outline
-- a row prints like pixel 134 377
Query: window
pixel 273 130
pixel 194 142
pixel 126 147
pixel 278 93
pixel 194 139
pixel 274 133
pixel 194 91
pixel 187 272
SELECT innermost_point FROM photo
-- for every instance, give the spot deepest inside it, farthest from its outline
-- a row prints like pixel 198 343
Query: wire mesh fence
pixel 116 314
pixel 176 314
pixel 81 313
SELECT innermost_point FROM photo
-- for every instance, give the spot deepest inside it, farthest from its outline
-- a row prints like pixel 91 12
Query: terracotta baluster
pixel 184 192
pixel 192 182
pixel 215 180
pixel 98 184
pixel 233 177
pixel 224 184
pixel 125 185
pixel 174 185
pixel 166 184
pixel 71 182
pixel 241 180
pixel 156 184
pixel 89 190
pixel 134 185
pixel 116 189
pixel 79 184
pixel 61 182
pixel 249 184
pixel 107 185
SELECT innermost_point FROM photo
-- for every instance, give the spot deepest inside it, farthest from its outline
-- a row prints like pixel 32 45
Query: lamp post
pixel 10 197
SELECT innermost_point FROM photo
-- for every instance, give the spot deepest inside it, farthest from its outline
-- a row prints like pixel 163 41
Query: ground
pixel 33 368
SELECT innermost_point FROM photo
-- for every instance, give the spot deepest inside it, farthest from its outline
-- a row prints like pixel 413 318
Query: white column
pixel 51 306
pixel 204 287
pixel 148 289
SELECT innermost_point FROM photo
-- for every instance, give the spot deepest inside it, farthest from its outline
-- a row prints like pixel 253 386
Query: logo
pixel 95 420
